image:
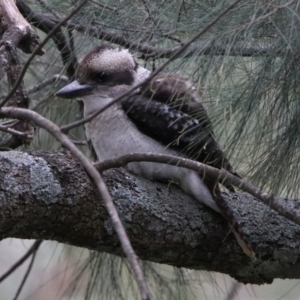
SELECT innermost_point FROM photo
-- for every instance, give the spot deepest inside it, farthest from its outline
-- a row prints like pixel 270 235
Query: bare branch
pixel 45 83
pixel 16 29
pixel 13 131
pixel 234 291
pixel 46 25
pixel 11 65
pixel 43 5
pixel 27 273
pixel 278 204
pixel 115 10
pixel 149 52
pixel 9 123
pixel 60 194
pixel 17 264
pixel 54 29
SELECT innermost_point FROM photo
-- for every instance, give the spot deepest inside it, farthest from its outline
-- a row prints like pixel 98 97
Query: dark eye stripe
pixel 125 77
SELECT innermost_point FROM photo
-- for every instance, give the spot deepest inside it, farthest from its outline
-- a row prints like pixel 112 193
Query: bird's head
pixel 104 71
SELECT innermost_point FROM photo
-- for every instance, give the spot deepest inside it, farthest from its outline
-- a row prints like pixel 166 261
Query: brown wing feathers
pixel 182 124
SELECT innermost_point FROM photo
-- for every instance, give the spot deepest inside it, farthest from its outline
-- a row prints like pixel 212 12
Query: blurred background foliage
pixel 246 66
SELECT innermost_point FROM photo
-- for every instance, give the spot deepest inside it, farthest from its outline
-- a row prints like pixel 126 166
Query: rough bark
pixel 47 195
pixel 45 24
pixel 19 99
pixel 17 31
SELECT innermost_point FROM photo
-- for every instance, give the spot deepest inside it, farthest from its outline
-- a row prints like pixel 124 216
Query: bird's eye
pixel 101 76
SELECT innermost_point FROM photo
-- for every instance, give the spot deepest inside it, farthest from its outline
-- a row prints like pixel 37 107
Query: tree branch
pixel 152 52
pixel 38 49
pixel 13 131
pixel 46 25
pixel 223 176
pixel 16 29
pixel 19 99
pixel 18 263
pixel 29 268
pixel 164 224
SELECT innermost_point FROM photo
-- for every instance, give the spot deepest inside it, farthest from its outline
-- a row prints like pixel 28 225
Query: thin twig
pixel 17 264
pixel 203 169
pixel 9 123
pixel 80 143
pixel 115 10
pixel 46 82
pixel 12 131
pixel 66 128
pixel 52 128
pixel 233 291
pixel 148 51
pixel 26 274
pixel 35 52
pixel 222 175
pixel 48 8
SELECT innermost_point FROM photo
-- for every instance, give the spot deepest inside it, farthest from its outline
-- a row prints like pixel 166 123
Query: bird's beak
pixel 74 90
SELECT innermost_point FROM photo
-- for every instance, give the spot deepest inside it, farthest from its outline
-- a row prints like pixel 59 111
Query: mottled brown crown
pixel 106 65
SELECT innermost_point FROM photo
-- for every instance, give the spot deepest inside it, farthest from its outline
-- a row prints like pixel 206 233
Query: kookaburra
pixel 165 116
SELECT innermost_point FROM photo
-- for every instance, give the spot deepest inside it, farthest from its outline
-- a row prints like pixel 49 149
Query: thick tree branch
pixel 38 49
pixel 48 195
pixel 223 176
pixel 17 31
pixel 45 24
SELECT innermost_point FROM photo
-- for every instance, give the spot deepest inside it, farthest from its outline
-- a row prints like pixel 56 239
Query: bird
pixel 164 116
